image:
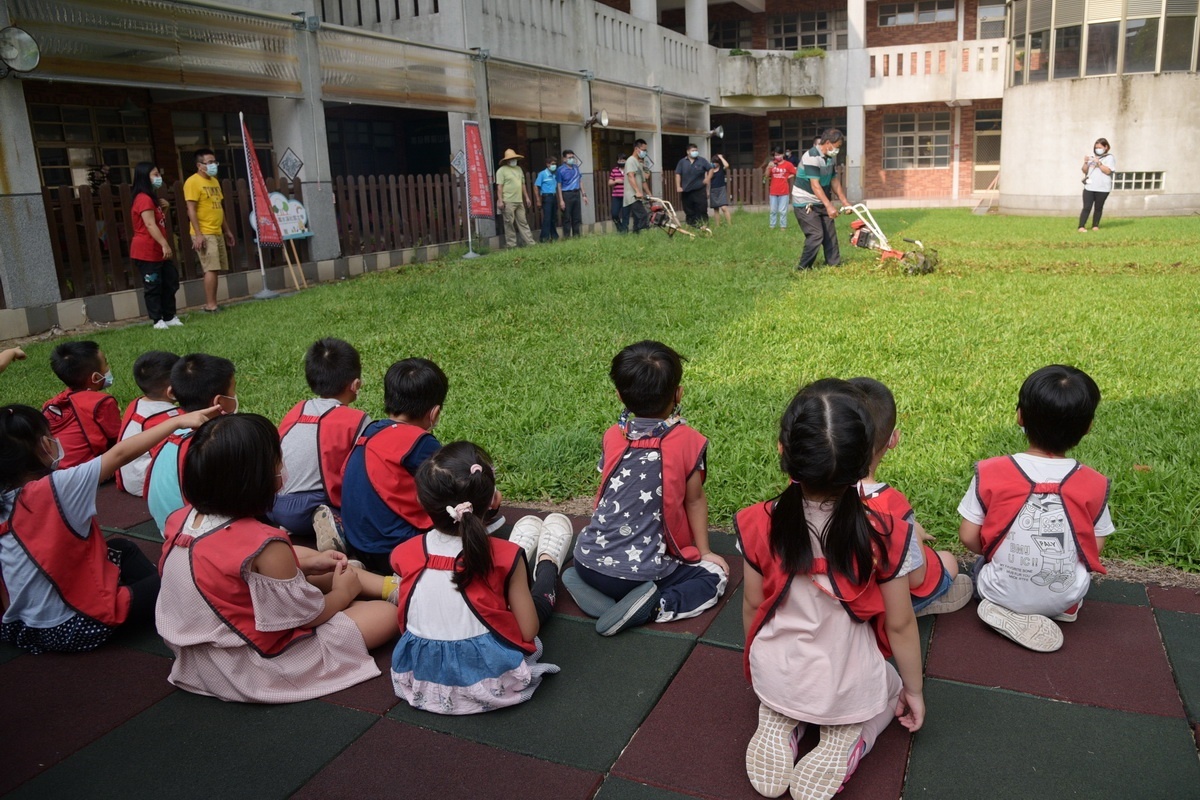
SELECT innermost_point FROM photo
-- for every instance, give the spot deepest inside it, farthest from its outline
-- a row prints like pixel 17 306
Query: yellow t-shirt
pixel 510 180
pixel 205 192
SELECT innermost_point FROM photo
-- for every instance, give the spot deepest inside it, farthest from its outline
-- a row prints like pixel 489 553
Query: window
pixel 738 144
pixel 730 34
pixel 1018 59
pixel 798 135
pixel 991 21
pixel 1066 52
pixel 1102 48
pixel 917 13
pixel 1137 182
pixel 988 120
pixel 1177 44
pixel 222 133
pixel 1141 45
pixel 1038 57
pixel 916 141
pixel 824 29
pixel 74 142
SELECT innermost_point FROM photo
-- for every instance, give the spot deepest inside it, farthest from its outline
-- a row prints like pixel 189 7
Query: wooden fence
pixel 390 212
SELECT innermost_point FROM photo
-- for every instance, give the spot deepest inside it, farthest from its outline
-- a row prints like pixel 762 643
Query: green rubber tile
pixel 621 789
pixel 9 652
pixel 987 744
pixel 147 530
pixel 585 715
pixel 727 629
pixel 724 544
pixel 143 638
pixel 1181 633
pixel 925 626
pixel 188 746
pixel 1110 591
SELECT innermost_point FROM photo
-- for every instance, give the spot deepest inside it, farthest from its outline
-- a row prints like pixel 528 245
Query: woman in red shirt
pixel 150 251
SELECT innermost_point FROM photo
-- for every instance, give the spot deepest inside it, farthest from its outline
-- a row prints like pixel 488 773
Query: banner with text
pixel 265 223
pixel 479 179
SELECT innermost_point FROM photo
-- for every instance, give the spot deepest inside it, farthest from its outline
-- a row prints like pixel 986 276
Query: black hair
pixel 646 375
pixel 231 466
pixel 881 405
pixel 1057 404
pixel 152 371
pixel 448 478
pixel 690 145
pixel 197 378
pixel 778 151
pixel 566 153
pixel 831 135
pixel 551 160
pixel 75 362
pixel 826 438
pixel 141 181
pixel 330 366
pixel 639 143
pixel 202 152
pixel 21 431
pixel 412 387
pixel 1104 142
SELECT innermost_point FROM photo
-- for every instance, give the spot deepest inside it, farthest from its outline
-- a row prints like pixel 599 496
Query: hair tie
pixel 457 512
pixel 476 468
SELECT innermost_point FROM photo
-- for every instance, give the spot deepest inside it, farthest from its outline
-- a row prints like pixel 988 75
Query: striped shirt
pixel 618 175
pixel 814 165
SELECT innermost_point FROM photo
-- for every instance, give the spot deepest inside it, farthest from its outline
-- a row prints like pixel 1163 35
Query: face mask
pixel 56 455
pixel 621 163
pixel 553 167
pixel 106 377
pixel 641 155
pixel 1099 151
pixel 211 169
pixel 156 183
pixel 693 153
pixel 573 161
pixel 833 152
pixel 235 403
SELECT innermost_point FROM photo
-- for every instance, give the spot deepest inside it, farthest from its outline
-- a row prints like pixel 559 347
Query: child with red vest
pixel 318 436
pixel 934 582
pixel 1038 519
pixel 249 617
pixel 197 381
pixel 152 374
pixel 824 605
pixel 644 557
pixel 468 618
pixel 68 588
pixel 84 419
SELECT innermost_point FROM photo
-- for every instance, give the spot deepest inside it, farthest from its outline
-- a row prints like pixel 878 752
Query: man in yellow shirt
pixel 202 192
pixel 514 196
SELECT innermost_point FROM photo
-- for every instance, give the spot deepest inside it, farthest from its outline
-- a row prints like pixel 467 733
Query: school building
pixel 943 102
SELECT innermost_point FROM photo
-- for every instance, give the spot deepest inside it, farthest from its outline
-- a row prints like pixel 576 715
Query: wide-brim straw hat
pixel 510 154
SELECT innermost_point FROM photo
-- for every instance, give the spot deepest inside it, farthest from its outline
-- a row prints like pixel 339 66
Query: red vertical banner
pixel 479 179
pixel 265 224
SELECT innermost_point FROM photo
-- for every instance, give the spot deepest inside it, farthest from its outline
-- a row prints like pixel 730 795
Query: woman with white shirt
pixel 1098 170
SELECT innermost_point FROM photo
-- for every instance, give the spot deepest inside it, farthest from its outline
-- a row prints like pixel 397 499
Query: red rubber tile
pixel 56 703
pixel 1109 643
pixel 117 509
pixel 396 760
pixel 1174 598
pixel 694 741
pixel 376 695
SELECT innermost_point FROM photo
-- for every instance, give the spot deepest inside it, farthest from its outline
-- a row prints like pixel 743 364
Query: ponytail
pixel 455 486
pixel 789 531
pixel 850 541
pixel 476 557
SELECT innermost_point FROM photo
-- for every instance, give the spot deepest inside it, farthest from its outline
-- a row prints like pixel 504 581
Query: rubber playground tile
pixel 396 760
pixel 117 509
pixel 1108 644
pixel 986 744
pixel 584 715
pixel 188 746
pixel 1175 598
pixel 1181 634
pixel 695 740
pixel 621 789
pixel 8 652
pixel 59 702
pixel 147 530
pixel 143 638
pixel 727 629
pixel 376 695
pixel 1110 591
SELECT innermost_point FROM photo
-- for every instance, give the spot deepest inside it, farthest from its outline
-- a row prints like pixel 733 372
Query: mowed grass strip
pixel 526 338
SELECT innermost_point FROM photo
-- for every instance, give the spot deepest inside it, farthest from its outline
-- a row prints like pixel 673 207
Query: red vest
pixel 486 596
pixel 391 480
pixel 891 504
pixel 145 423
pixel 85 422
pixel 182 442
pixel 79 568
pixel 337 431
pixel 216 560
pixel 680 446
pixel 1003 489
pixel 863 602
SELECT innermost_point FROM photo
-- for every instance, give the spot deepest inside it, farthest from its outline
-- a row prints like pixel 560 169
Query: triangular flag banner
pixel 266 225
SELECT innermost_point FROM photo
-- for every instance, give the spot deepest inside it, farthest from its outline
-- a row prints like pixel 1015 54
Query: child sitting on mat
pixel 84 418
pixel 152 374
pixel 468 618
pixel 644 557
pixel 1038 519
pixel 68 588
pixel 248 616
pixel 823 606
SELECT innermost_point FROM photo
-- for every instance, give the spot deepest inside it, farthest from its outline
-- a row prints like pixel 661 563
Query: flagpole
pixel 470 247
pixel 265 293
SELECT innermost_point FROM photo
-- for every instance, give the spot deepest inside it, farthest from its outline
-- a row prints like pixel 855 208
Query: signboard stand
pixel 479 195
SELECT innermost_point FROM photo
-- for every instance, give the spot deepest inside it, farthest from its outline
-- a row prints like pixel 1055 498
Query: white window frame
pixel 893 15
pixel 905 136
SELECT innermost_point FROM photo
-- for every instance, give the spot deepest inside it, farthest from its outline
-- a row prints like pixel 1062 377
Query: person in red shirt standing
pixel 150 251
pixel 781 172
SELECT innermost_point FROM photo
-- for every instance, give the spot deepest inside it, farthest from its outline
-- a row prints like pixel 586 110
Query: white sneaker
pixel 555 542
pixel 328 530
pixel 175 322
pixel 161 325
pixel 1034 631
pixel 526 533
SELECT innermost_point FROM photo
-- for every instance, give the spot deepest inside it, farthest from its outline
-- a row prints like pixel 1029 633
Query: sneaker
pixel 556 539
pixel 175 322
pixel 794 741
pixel 328 529
pixel 957 596
pixel 161 325
pixel 823 770
pixel 769 759
pixel 590 600
pixel 526 534
pixel 1034 631
pixel 214 310
pixel 494 523
pixel 634 609
pixel 1070 615
pixel 391 589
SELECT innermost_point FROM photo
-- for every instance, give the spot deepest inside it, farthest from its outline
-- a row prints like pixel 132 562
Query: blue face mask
pixel 211 169
pixel 156 183
pixel 553 167
pixel 107 377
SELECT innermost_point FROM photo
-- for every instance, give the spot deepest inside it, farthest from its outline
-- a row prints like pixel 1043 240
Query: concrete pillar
pixel 856 142
pixel 696 20
pixel 856 24
pixel 644 9
pixel 654 143
pixel 856 79
pixel 27 269
pixel 579 139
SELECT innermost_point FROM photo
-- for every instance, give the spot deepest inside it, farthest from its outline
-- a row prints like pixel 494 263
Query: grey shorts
pixel 718 196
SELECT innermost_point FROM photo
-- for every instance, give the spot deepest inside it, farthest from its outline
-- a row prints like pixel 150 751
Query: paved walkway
pixel 652 714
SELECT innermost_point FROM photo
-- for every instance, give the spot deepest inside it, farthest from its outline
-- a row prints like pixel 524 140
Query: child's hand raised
pixel 197 418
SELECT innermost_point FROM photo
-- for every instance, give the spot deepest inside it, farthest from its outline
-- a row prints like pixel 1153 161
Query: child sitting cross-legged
pixel 84 418
pixel 644 557
pixel 152 374
pixel 1039 519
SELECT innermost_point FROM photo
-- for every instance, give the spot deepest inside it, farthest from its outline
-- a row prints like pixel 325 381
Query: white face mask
pixel 833 152
pixel 235 403
pixel 57 454
pixel 1099 151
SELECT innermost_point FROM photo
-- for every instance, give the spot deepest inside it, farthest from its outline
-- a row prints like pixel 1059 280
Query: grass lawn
pixel 526 338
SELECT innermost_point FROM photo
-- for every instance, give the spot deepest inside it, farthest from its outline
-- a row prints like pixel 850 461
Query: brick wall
pixel 906 34
pixel 878 182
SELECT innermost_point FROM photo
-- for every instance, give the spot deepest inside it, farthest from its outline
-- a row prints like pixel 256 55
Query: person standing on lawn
pixel 149 249
pixel 718 190
pixel 637 188
pixel 547 185
pixel 206 211
pixel 780 173
pixel 570 191
pixel 514 197
pixel 1098 170
pixel 812 200
pixel 691 182
pixel 616 183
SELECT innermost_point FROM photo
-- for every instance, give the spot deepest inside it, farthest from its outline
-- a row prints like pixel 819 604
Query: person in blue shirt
pixel 569 194
pixel 547 185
